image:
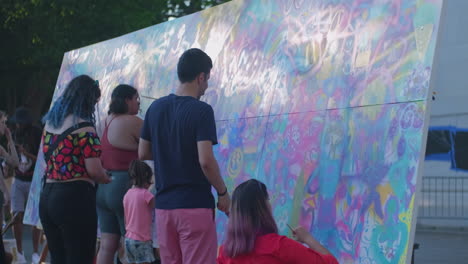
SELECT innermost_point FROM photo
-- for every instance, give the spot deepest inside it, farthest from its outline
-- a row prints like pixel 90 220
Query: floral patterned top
pixel 67 160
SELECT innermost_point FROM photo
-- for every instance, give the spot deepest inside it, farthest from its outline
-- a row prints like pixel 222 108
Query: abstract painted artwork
pixel 325 101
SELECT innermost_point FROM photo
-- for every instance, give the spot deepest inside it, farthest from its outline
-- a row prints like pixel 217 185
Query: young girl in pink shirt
pixel 138 207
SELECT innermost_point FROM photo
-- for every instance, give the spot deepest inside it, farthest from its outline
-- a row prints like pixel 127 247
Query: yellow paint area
pixel 235 163
pixel 224 140
pixel 384 191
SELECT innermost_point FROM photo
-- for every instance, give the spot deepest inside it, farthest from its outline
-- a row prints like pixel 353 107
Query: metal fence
pixel 444 197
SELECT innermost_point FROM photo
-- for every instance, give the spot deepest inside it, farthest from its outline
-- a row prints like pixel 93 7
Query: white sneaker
pixel 20 259
pixel 35 258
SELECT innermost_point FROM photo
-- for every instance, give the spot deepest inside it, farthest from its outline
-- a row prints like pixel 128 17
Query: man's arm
pixel 210 168
pixel 144 150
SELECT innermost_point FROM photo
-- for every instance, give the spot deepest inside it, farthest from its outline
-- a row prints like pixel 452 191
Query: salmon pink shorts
pixel 187 236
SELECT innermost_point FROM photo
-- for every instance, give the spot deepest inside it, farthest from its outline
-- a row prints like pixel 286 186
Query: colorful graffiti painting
pixel 324 101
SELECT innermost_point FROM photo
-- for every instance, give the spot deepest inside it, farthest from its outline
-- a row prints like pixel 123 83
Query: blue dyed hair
pixel 78 99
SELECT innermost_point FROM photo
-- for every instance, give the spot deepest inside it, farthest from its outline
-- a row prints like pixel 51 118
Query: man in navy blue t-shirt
pixel 179 132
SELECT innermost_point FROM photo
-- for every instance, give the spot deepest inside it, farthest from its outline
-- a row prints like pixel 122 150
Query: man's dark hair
pixel 192 63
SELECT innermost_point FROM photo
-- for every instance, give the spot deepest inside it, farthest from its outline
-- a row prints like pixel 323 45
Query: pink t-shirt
pixel 138 214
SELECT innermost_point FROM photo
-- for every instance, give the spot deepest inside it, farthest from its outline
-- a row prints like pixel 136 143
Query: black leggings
pixel 68 216
pixel 3 258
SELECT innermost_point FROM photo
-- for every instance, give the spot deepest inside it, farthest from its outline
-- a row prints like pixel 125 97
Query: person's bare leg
pixel 18 232
pixel 108 247
pixel 36 236
pixel 44 253
pixel 121 255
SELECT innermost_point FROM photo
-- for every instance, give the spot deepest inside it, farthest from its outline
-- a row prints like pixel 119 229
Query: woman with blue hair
pixel 72 150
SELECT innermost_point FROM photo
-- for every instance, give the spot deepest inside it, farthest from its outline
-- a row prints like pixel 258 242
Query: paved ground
pixel 448 246
pixel 27 242
pixel 441 247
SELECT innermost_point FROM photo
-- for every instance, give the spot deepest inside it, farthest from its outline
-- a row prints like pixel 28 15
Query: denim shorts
pixel 19 195
pixel 139 251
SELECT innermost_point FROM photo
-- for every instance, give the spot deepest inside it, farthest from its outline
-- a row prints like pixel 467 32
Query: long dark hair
pixel 250 217
pixel 140 173
pixel 79 99
pixel 119 94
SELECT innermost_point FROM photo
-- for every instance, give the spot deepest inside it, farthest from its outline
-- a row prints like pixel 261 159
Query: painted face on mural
pixel 133 104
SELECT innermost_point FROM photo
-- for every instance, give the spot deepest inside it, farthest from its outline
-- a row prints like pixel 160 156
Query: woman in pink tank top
pixel 119 140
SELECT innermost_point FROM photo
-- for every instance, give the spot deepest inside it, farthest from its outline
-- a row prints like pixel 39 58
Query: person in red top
pixel 120 135
pixel 252 234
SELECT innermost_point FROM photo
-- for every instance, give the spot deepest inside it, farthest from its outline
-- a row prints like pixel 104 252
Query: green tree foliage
pixel 36 33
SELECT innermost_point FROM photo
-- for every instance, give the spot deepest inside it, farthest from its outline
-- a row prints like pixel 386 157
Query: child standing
pixel 138 207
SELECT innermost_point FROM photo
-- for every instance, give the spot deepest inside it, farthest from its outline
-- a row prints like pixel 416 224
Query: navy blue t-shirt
pixel 174 124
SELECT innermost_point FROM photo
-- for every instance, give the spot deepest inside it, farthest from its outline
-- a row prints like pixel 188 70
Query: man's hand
pixel 224 203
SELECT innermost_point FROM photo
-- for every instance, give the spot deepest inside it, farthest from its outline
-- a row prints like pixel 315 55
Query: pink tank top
pixel 115 158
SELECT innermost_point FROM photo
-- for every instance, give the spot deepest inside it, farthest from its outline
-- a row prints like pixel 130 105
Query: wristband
pixel 222 194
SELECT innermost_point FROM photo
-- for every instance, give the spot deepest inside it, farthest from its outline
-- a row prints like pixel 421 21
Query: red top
pixel 67 160
pixel 115 158
pixel 276 249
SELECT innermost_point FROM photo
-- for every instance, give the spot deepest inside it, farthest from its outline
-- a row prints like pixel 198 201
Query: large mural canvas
pixel 325 101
